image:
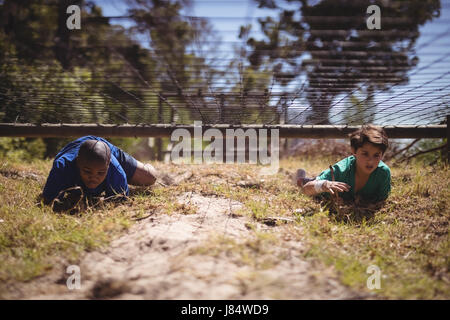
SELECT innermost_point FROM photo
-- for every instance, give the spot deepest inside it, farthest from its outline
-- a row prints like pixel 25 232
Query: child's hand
pixel 335 186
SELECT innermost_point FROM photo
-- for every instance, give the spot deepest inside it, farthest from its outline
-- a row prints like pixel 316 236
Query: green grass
pixel 31 234
pixel 407 239
pixel 33 238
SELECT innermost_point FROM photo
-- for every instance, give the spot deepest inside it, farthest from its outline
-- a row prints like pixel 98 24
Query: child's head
pixel 93 162
pixel 368 146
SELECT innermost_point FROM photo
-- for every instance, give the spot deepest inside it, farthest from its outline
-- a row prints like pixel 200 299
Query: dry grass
pixel 408 238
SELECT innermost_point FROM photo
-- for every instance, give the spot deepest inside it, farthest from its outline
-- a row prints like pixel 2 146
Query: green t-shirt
pixel 377 187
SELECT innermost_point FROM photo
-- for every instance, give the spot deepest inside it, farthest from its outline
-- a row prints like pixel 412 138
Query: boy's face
pixel 92 173
pixel 367 157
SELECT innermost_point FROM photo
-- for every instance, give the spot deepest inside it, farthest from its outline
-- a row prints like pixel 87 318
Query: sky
pixel 429 80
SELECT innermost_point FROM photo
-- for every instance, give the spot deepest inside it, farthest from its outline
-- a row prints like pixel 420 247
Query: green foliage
pixel 333 44
pixel 428 144
pixel 361 107
pixel 129 145
pixel 22 149
pixel 101 75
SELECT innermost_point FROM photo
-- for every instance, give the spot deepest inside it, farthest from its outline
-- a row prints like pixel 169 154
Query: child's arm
pixel 318 186
pixel 145 175
pixel 323 182
pixel 138 173
pixel 57 180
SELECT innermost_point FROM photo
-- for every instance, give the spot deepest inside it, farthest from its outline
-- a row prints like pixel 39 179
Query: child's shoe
pixel 301 178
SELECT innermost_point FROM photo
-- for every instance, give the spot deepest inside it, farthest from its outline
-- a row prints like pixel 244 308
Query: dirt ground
pixel 173 257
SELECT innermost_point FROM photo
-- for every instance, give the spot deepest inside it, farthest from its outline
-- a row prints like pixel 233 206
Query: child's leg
pixel 145 175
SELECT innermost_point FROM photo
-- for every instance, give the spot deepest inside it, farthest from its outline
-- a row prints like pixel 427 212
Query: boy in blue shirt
pixel 96 166
pixel 363 174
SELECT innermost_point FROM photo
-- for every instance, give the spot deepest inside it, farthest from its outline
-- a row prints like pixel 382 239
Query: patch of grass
pixel 33 239
pixel 258 209
pixel 407 239
pixel 32 236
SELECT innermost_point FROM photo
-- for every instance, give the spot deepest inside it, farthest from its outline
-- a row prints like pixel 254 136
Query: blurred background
pixel 232 62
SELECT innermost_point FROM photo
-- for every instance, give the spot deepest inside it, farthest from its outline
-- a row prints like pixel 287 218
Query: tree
pixel 51 74
pixel 46 68
pixel 178 44
pixel 329 42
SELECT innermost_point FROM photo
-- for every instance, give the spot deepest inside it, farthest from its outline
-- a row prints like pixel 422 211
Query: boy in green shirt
pixel 362 174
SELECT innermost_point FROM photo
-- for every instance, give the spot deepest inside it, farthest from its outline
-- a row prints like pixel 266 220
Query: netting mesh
pixel 332 70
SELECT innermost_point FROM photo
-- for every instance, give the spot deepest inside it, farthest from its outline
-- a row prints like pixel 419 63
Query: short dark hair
pixel 95 151
pixel 369 133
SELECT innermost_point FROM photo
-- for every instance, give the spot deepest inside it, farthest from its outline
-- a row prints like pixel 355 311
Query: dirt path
pixel 211 254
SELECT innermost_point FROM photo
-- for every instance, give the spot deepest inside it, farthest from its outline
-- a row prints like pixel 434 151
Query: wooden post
pixel 285 120
pixel 448 139
pixel 222 106
pixel 158 141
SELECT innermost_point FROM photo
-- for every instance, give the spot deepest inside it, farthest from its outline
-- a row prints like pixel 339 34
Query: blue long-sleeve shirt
pixel 65 172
